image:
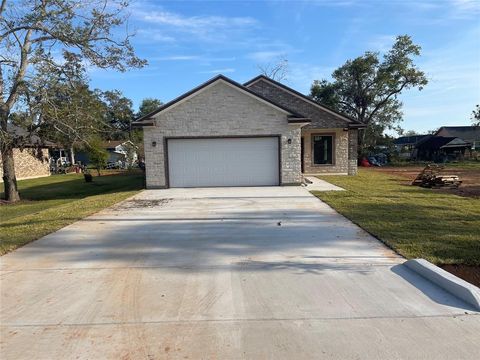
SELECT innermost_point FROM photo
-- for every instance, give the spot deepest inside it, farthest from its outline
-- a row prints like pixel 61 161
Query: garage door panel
pixel 223 162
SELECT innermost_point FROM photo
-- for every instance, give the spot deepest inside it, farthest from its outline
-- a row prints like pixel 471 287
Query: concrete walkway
pixel 316 184
pixel 239 273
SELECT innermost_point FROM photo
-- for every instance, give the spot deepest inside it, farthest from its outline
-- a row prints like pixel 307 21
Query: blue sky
pixel 188 42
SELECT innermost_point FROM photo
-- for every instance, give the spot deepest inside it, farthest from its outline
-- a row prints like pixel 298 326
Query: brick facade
pixel 30 163
pixel 221 110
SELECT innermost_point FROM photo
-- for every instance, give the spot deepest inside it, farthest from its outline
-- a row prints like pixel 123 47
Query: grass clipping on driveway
pixel 416 222
pixel 53 202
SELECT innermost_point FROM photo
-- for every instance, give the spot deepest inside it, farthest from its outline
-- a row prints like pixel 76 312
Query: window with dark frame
pixel 322 149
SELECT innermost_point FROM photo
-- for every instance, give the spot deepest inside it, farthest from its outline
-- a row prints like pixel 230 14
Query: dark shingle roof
pixel 437 142
pixel 468 133
pixel 409 140
pixel 24 138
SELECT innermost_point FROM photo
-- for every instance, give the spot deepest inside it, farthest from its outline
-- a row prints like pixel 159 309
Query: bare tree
pixel 34 32
pixel 277 70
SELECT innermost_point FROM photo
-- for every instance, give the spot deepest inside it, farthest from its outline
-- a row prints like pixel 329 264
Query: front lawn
pixel 53 202
pixel 418 223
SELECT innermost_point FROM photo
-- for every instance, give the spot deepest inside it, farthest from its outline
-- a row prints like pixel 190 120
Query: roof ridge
pixel 303 96
pixel 209 82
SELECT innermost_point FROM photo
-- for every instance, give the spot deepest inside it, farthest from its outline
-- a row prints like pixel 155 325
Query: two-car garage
pixel 225 161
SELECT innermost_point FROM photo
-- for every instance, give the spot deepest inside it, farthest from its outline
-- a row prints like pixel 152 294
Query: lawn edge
pixel 72 222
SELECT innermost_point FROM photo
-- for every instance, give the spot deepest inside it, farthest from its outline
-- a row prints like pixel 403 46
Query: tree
pixel 97 155
pixel 476 116
pixel 119 113
pixel 68 110
pixel 367 88
pixel 277 71
pixel 148 105
pixel 33 32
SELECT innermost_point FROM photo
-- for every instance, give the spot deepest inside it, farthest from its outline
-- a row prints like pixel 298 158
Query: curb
pixel 449 282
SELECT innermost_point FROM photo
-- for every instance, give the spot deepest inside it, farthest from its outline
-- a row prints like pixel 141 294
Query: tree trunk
pixel 72 156
pixel 9 179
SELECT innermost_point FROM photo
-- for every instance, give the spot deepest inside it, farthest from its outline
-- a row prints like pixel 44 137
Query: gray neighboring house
pixel 470 134
pixel 261 133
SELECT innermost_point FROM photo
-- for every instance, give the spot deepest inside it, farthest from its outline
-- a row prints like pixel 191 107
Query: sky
pixel 188 42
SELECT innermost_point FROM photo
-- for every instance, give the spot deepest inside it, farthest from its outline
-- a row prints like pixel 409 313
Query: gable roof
pixel 292 115
pixel 439 142
pixel 111 144
pixel 353 122
pixel 24 138
pixel 470 133
pixel 409 140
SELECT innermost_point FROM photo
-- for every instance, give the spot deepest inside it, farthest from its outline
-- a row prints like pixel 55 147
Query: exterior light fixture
pixel 154 143
pixel 289 141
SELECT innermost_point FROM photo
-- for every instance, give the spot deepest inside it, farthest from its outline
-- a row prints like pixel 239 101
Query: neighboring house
pixel 31 159
pixel 441 148
pixel 118 151
pixel 405 145
pixel 223 133
pixel 471 134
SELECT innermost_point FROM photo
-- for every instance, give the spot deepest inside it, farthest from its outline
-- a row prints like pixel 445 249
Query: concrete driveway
pixel 239 273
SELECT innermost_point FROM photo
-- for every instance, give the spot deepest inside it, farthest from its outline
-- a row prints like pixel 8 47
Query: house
pixel 471 134
pixel 119 152
pixel 223 133
pixel 405 145
pixel 441 148
pixel 31 157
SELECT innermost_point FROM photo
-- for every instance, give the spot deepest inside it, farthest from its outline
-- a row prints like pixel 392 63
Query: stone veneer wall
pixel 352 152
pixel 221 110
pixel 341 163
pixel 30 163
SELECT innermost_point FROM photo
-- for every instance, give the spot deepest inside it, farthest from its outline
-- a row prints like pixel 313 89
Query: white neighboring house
pixel 118 152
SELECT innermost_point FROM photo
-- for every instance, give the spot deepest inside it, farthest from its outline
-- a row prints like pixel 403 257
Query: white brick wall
pixel 221 110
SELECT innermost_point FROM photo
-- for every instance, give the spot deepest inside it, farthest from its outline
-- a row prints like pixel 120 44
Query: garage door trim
pixel 165 146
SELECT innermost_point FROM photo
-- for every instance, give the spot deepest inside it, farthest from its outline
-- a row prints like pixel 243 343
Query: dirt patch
pixel 470 178
pixel 465 272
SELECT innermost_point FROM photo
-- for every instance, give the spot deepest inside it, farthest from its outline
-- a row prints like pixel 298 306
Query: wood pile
pixel 431 177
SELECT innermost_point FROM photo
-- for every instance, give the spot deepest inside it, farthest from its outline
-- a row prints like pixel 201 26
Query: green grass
pixel 53 202
pixel 416 222
pixel 466 164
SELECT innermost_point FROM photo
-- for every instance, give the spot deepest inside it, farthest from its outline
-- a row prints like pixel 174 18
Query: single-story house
pixel 223 133
pixel 470 134
pixel 118 152
pixel 31 157
pixel 405 145
pixel 441 148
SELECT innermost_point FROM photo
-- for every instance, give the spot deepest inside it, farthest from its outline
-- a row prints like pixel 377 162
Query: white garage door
pixel 223 162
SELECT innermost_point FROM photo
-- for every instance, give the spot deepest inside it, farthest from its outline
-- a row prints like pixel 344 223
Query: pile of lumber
pixel 431 177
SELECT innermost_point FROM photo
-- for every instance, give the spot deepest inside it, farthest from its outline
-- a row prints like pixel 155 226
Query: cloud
pixel 168 24
pixel 263 56
pixel 197 22
pixel 381 43
pixel 175 58
pixel 156 35
pixel 218 71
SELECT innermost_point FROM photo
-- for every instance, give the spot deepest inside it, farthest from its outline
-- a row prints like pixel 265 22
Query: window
pixel 322 149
